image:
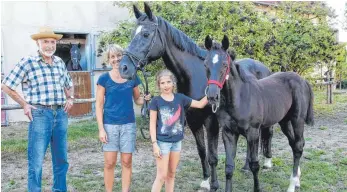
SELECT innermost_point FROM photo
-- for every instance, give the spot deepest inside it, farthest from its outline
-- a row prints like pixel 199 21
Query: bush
pixel 343 84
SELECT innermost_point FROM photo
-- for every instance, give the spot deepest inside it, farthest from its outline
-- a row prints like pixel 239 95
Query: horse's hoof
pixel 265 167
pixel 214 186
pixel 245 168
pixel 294 183
pixel 267 163
pixel 205 184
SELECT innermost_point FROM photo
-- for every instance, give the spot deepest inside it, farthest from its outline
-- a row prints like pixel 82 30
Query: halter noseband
pixel 219 84
pixel 142 62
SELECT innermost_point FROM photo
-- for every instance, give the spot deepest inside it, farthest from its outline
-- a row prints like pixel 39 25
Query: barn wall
pixel 19 21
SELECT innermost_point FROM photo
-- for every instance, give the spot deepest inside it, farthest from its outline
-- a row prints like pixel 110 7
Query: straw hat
pixel 46 32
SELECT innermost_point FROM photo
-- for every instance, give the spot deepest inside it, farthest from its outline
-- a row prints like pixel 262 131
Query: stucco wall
pixel 21 19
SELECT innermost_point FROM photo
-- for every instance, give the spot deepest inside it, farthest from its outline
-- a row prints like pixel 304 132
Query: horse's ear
pixel 136 12
pixel 79 45
pixel 208 42
pixel 148 11
pixel 225 43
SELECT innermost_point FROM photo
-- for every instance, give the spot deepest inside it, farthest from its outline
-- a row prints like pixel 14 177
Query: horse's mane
pixel 244 75
pixel 181 40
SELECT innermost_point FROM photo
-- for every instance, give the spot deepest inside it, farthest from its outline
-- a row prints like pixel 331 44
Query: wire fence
pixel 17 106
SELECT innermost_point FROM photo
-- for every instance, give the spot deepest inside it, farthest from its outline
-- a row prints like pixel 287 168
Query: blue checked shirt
pixel 42 83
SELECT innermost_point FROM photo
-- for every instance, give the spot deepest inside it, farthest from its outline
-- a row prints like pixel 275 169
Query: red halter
pixel 220 84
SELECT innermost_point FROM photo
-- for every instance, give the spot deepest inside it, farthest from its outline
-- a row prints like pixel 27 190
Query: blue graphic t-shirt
pixel 171 117
pixel 118 107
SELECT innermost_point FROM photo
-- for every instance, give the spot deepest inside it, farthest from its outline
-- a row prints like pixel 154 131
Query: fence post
pixel 340 82
pixel 327 93
pixel 329 100
pixel 331 93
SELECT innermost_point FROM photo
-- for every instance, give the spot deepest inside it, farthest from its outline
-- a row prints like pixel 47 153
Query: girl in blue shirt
pixel 167 118
pixel 116 118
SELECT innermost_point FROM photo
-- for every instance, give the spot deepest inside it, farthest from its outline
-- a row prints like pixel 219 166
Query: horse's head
pixel 218 64
pixel 75 54
pixel 147 44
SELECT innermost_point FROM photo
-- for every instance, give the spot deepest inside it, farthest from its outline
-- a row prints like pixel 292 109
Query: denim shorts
pixel 120 138
pixel 166 147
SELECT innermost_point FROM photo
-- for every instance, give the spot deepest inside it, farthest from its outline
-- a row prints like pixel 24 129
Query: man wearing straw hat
pixel 48 96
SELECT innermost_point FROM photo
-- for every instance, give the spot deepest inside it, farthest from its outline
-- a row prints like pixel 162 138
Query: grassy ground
pixel 324 163
pixel 322 108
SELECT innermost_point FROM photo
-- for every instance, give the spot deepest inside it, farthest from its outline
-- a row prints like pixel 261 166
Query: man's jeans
pixel 48 126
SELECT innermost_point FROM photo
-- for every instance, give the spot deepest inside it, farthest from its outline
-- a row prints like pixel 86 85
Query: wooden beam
pixel 16 106
pixel 72 41
pixel 326 83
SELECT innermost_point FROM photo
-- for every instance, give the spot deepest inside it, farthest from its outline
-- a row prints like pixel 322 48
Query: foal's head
pixel 218 65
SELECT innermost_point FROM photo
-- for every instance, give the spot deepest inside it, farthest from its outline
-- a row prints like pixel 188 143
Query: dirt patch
pixel 329 133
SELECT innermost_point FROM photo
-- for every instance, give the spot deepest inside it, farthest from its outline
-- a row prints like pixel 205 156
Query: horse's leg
pixel 253 145
pixel 266 137
pixel 230 145
pixel 212 129
pixel 246 165
pixel 288 131
pixel 195 125
pixel 298 147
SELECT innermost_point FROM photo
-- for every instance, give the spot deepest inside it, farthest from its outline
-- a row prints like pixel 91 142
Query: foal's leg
pixel 288 130
pixel 230 145
pixel 266 140
pixel 212 129
pixel 195 124
pixel 246 165
pixel 298 147
pixel 266 137
pixel 253 145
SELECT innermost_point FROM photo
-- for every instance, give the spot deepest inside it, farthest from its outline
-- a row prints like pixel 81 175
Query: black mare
pixel 73 64
pixel 249 105
pixel 155 38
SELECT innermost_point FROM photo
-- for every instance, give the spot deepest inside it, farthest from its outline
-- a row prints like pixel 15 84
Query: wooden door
pixel 82 87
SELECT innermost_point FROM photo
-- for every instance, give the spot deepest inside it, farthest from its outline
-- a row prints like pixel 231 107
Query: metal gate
pixel 3 112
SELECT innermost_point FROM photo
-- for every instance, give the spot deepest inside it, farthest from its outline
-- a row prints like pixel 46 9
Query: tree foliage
pixel 289 36
pixel 341 64
pixel 303 37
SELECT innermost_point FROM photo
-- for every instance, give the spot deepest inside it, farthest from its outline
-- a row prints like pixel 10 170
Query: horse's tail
pixel 310 116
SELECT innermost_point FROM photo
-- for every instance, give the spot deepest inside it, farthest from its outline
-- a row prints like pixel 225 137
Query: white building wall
pixel 22 18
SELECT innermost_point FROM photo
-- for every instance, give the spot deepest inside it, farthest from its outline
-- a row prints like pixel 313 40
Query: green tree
pixel 289 40
pixel 302 37
pixel 341 64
